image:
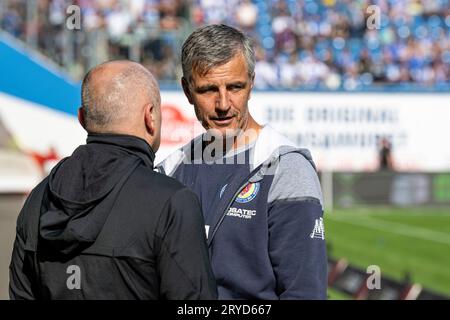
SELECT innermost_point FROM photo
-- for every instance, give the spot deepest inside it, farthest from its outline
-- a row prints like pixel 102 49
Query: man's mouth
pixel 222 121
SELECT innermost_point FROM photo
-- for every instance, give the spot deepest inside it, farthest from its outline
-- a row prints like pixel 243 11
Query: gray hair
pixel 110 103
pixel 212 46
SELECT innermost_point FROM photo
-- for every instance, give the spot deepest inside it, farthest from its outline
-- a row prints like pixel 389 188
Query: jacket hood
pixel 82 189
pixel 270 165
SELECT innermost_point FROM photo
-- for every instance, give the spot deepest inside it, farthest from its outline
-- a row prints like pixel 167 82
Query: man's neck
pixel 247 137
pixel 242 139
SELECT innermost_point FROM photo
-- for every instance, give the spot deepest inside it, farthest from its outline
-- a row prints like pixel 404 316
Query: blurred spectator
pixel 385 155
pixel 302 43
pixel 265 70
pixel 246 15
pixel 12 20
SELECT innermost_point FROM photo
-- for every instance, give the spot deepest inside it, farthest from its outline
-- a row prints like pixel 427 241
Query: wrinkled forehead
pixel 233 68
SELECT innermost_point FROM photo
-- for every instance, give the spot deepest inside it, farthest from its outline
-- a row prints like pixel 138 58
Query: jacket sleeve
pixel 20 275
pixel 183 259
pixel 296 232
pixel 20 287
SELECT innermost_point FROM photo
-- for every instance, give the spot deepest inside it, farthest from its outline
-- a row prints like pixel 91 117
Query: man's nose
pixel 223 102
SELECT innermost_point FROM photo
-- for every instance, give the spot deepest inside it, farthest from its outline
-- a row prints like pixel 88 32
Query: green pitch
pixel 413 240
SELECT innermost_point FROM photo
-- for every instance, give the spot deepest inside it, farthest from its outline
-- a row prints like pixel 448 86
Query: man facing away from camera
pixel 103 224
pixel 260 194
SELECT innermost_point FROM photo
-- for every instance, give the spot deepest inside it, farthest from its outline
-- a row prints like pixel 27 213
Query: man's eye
pixel 206 90
pixel 236 88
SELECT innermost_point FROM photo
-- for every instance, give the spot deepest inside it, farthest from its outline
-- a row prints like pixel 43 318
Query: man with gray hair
pixel 103 224
pixel 260 194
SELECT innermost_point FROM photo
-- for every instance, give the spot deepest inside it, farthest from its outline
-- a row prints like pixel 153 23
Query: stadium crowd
pixel 300 43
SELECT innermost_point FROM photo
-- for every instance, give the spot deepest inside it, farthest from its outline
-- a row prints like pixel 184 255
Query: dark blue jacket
pixel 266 233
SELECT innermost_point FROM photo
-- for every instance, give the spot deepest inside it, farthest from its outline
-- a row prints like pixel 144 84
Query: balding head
pixel 115 96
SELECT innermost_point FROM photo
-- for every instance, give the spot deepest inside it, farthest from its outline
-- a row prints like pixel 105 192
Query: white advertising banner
pixel 341 130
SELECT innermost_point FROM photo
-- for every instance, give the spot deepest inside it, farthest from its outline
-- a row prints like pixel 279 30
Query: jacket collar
pixel 266 149
pixel 136 145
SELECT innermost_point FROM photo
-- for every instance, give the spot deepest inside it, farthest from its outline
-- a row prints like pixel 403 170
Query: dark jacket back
pixel 104 225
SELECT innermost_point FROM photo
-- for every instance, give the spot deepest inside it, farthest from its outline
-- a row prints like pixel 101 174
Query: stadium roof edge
pixel 30 76
pixel 36 56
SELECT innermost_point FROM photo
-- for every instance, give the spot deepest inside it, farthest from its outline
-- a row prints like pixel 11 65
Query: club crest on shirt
pixel 248 193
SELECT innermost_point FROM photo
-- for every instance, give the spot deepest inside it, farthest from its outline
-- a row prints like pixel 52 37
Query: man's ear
pixel 252 83
pixel 149 118
pixel 81 117
pixel 187 90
